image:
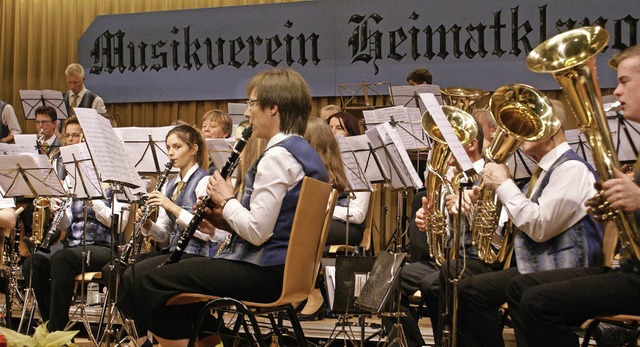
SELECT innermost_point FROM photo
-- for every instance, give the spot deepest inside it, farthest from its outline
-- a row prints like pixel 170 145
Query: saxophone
pixel 522 114
pixel 466 129
pixel 226 170
pixel 128 248
pixel 570 57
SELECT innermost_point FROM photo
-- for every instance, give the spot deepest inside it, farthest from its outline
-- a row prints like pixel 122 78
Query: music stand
pixel 145 147
pixel 106 150
pixel 32 99
pixel 409 96
pixel 29 176
pixel 351 93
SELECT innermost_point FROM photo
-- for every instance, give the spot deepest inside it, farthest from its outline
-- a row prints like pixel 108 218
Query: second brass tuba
pixel 466 129
pixel 522 114
pixel 570 57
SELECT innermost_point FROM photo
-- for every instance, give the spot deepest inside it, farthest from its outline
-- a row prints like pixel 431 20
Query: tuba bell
pixel 466 129
pixel 522 114
pixel 570 57
pixel 463 98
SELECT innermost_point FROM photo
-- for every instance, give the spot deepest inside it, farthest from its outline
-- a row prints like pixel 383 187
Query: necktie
pixel 178 190
pixel 534 178
pixel 74 103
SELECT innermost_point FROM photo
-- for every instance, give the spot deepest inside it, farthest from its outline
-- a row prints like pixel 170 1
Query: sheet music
pixel 219 151
pixel 408 96
pixel 32 99
pixel 27 141
pixel 83 178
pixel 355 175
pixel 361 147
pixel 330 280
pixel 406 120
pixel 14 149
pixel 106 149
pixel 138 142
pixel 390 152
pixel 447 131
pixel 42 179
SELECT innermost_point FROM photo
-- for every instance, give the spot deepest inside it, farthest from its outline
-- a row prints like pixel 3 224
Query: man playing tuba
pixel 553 230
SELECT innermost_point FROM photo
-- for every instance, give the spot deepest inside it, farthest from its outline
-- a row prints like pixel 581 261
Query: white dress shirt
pixel 278 172
pixel 97 104
pixel 560 205
pixel 357 208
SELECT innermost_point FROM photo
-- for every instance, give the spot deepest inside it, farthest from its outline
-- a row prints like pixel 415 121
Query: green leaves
pixel 41 338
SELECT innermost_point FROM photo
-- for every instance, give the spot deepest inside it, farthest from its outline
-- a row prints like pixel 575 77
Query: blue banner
pixel 210 54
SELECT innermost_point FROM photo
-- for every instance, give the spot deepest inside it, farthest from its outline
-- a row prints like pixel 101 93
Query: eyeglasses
pixel 68 136
pixel 251 102
pixel 40 122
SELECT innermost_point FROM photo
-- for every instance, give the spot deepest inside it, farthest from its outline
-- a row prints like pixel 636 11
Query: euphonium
pixel 41 219
pixel 462 98
pixel 466 129
pixel 570 57
pixel 522 114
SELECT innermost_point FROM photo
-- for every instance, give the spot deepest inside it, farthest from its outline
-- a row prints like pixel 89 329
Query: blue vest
pixel 187 199
pixel 97 233
pixel 273 251
pixel 578 246
pixel 4 129
pixel 86 101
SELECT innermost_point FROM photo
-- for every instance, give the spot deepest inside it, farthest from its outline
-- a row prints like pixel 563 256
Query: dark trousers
pixel 338 233
pixel 220 277
pixel 480 297
pixel 53 278
pixel 544 306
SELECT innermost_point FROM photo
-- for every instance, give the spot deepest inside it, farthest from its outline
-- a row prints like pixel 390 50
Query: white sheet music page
pixel 144 146
pixel 82 177
pixel 30 100
pixel 447 131
pixel 36 168
pixel 54 98
pixel 365 156
pixel 390 156
pixel 27 141
pixel 15 149
pixel 219 151
pixel 407 166
pixel 355 175
pixel 107 150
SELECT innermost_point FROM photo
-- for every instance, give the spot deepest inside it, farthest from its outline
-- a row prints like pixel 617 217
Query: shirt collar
pixel 277 138
pixel 188 174
pixel 80 95
pixel 553 155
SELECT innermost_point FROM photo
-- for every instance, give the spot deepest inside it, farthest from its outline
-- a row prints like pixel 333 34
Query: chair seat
pixel 622 318
pixel 192 298
pixel 89 276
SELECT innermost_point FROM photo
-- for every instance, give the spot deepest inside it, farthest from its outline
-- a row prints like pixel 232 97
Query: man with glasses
pixel 48 142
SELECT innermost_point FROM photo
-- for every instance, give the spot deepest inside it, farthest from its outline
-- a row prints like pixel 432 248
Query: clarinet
pixel 226 170
pixel 126 251
pixel 45 245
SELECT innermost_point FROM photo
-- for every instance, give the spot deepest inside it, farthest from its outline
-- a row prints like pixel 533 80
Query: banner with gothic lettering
pixel 210 54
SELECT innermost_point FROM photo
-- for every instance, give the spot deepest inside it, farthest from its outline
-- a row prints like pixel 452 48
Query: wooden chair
pixel 366 235
pixel 306 243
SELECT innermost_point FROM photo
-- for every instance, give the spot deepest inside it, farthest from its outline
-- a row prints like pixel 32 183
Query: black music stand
pixel 29 176
pixel 106 150
pixel 146 147
pixel 32 99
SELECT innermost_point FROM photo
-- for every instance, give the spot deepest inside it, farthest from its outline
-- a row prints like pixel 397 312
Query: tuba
pixel 570 57
pixel 522 114
pixel 463 98
pixel 466 129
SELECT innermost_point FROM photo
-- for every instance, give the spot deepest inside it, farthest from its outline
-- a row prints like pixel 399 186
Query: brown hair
pixel 324 142
pixel 71 120
pixel 222 118
pixel 349 122
pixel 286 89
pixel 627 53
pixel 420 76
pixel 192 136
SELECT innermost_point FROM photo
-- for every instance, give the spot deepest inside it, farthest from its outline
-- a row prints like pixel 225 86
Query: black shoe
pixel 317 315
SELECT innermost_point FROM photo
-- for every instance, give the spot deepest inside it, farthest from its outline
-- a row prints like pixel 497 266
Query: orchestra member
pixel 553 230
pixel 77 95
pixel 7 212
pixel 53 277
pixel 278 108
pixel 9 125
pixel 544 306
pixel 328 111
pixel 216 124
pixel 345 124
pixel 186 148
pixel 419 76
pixel 46 123
pixel 423 274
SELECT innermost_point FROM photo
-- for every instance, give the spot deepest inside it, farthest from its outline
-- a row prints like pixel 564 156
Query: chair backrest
pixel 368 224
pixel 609 243
pixel 308 236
